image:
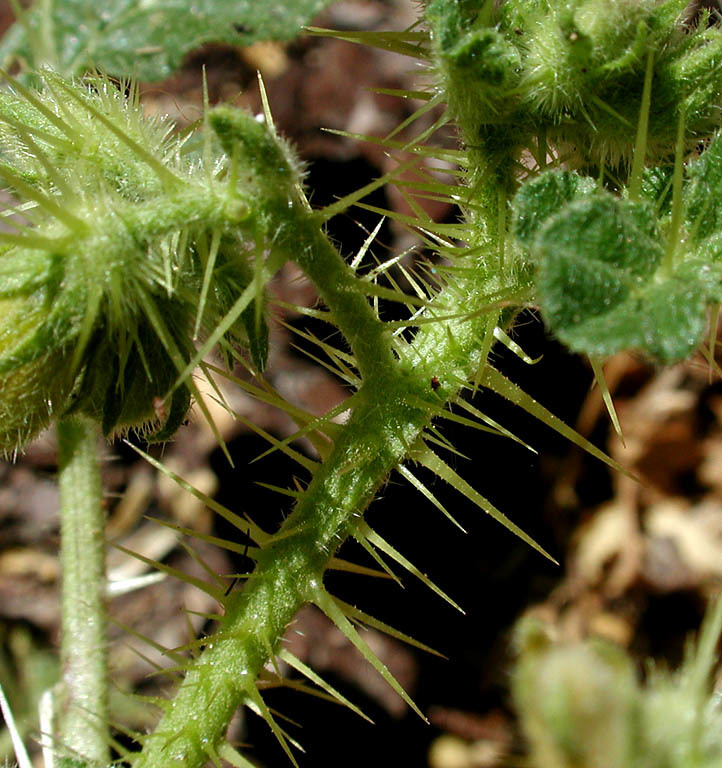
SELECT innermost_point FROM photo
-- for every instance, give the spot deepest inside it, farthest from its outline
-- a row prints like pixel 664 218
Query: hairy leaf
pixel 703 191
pixel 666 320
pixel 539 198
pixel 600 286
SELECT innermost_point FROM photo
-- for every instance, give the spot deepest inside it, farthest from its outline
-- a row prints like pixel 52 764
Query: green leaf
pixel 592 254
pixel 539 198
pixel 600 281
pixel 666 320
pixel 600 288
pixel 703 193
pixel 706 268
pixel 147 40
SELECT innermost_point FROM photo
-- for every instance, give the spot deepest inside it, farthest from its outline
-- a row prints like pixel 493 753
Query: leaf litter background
pixel 638 557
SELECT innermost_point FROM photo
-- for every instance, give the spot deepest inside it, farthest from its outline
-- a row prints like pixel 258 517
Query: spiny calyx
pixel 575 72
pixel 127 248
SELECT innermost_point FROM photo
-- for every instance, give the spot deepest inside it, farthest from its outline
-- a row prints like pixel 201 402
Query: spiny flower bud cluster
pixel 126 247
pixel 574 72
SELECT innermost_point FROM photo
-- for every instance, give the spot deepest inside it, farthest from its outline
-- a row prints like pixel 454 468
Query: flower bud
pixel 578 702
pixel 133 251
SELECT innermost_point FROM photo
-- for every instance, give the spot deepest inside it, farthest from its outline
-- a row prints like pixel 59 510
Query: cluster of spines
pixel 383 553
pixel 117 234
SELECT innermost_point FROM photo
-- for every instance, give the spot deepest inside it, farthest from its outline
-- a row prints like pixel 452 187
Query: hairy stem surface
pixel 84 650
pixel 388 420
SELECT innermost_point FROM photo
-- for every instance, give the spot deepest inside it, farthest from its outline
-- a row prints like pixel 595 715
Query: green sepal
pixel 257 333
pixel 233 275
pixel 31 394
pixel 36 333
pixel 180 404
pixel 39 313
pixel 27 272
pixel 125 380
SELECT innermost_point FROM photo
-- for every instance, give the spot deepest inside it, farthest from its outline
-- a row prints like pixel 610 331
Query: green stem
pixel 389 418
pixel 288 574
pixel 84 650
pixel 342 292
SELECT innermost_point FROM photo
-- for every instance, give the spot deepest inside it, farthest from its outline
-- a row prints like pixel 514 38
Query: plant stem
pixel 388 420
pixel 84 650
pixel 288 574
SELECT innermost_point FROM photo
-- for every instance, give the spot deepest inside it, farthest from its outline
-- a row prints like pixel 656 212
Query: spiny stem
pixel 344 295
pixel 388 419
pixel 84 651
pixel 287 575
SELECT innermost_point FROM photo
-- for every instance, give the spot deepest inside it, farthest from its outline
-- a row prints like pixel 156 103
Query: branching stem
pixel 383 428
